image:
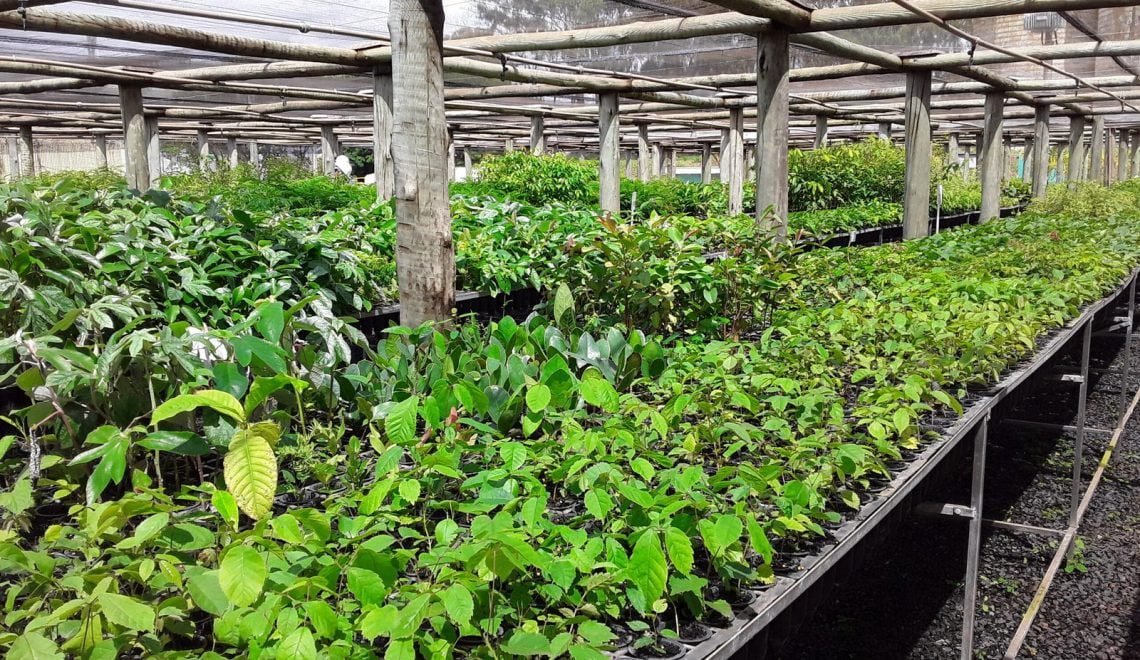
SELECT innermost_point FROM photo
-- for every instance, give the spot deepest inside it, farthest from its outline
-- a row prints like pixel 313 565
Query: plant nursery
pixel 645 329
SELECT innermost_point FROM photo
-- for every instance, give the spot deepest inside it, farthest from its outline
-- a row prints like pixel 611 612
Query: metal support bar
pixel 1022 527
pixel 1079 443
pixel 973 552
pixel 1049 426
pixel 1126 369
pixel 945 509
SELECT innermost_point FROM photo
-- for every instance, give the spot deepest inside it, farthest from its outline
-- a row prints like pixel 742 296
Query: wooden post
pixel 657 157
pixel 1040 150
pixel 315 157
pixel 884 131
pixel 450 157
pixel 734 156
pixel 153 149
pixel 1096 160
pixel 468 168
pixel 203 149
pixel 627 157
pixel 537 135
pixel 706 162
pixel 1006 153
pixel 254 155
pixel 644 158
pixel 101 152
pixel 232 151
pixel 952 150
pixel 13 159
pixel 673 162
pixel 966 160
pixel 749 163
pixel 820 132
pixel 916 195
pixel 509 145
pixel 1027 161
pixel 1076 149
pixel 992 155
pixel 609 152
pixel 329 150
pixel 382 135
pixel 136 138
pixel 1122 155
pixel 425 254
pixel 772 87
pixel 1134 169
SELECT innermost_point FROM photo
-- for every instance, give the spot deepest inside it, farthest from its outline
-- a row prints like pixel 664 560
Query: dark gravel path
pixel 907 601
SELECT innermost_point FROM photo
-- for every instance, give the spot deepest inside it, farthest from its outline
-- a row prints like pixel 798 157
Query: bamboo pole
pixel 916 196
pixel 609 153
pixel 425 255
pixel 136 140
pixel 992 157
pixel 1040 151
pixel 772 134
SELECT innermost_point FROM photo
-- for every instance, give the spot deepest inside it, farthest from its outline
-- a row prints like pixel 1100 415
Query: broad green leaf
pixel 401 649
pixel 271 321
pixel 647 568
pixel 537 398
pixel 595 632
pixel 598 392
pixel 458 603
pixel 446 531
pixel 269 355
pixel 250 471
pixel 222 402
pixel 286 528
pixel 183 443
pixel 242 574
pixel 228 378
pixel 563 303
pixel 400 424
pixel 226 506
pixel 527 644
pixel 377 622
pixel 206 590
pixel 298 645
pixel 410 490
pixel 33 646
pixel 323 618
pixel 264 387
pixel 126 612
pixel 680 549
pixel 366 585
pixel 513 455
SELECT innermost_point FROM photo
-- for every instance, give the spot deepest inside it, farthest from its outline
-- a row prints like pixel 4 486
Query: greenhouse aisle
pixel 909 606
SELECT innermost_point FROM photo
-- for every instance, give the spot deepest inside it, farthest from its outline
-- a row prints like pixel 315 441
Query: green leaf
pixel 598 392
pixel 595 632
pixel 513 455
pixel 126 612
pixel 248 347
pixel 242 575
pixel 226 506
pixel 222 402
pixel 264 387
pixel 680 549
pixel 250 472
pixel 377 622
pixel 183 443
pixel 323 618
pixel 527 644
pixel 206 590
pixel 537 398
pixel 298 645
pixel 228 378
pixel 410 490
pixel 446 531
pixel 901 419
pixel 563 303
pixel 271 321
pixel 286 528
pixel 33 646
pixel 366 585
pixel 400 424
pixel 401 649
pixel 647 568
pixel 147 530
pixel 458 603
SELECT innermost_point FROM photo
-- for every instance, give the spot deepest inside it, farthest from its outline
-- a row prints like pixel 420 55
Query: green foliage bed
pixel 205 470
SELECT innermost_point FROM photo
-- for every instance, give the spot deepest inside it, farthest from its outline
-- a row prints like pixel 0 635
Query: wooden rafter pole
pixel 425 255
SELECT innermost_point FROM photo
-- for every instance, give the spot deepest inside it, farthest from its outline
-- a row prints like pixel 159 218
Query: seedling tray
pixel 774 599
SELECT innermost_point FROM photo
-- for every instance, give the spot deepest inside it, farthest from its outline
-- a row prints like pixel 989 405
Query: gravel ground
pixel 907 602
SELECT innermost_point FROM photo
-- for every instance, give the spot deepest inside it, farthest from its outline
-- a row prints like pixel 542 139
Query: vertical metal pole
pixel 1079 445
pixel 1126 370
pixel 973 551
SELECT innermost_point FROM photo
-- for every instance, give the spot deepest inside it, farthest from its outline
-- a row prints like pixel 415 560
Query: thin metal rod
pixel 1022 527
pixel 973 553
pixel 1079 444
pixel 1126 368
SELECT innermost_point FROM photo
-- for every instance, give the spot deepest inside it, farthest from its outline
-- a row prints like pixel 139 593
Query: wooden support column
pixel 153 149
pixel 537 135
pixel 136 138
pixel 232 152
pixel 382 135
pixel 1096 159
pixel 609 152
pixel 101 152
pixel 627 156
pixel 884 131
pixel 672 162
pixel 772 87
pixel 425 254
pixel 966 157
pixel 13 158
pixel 1076 149
pixel 916 194
pixel 706 162
pixel 992 155
pixel 1040 150
pixel 468 168
pixel 655 167
pixel 254 155
pixel 820 132
pixel 734 157
pixel 644 158
pixel 26 148
pixel 1122 155
pixel 203 149
pixel 1134 169
pixel 450 157
pixel 952 150
pixel 509 145
pixel 329 149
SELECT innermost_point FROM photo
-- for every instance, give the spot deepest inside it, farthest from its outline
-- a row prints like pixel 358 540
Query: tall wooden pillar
pixel 136 138
pixel 644 157
pixel 706 162
pixel 884 131
pixel 1096 159
pixel 254 155
pixel 952 150
pixel 820 132
pixel 772 87
pixel 13 158
pixel 657 158
pixel 1134 168
pixel 734 156
pixel 992 155
pixel 1040 150
pixel 450 157
pixel 537 135
pixel 153 149
pixel 468 167
pixel 329 150
pixel 1122 155
pixel 609 152
pixel 425 254
pixel 916 195
pixel 1076 149
pixel 232 152
pixel 101 152
pixel 203 149
pixel 382 135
